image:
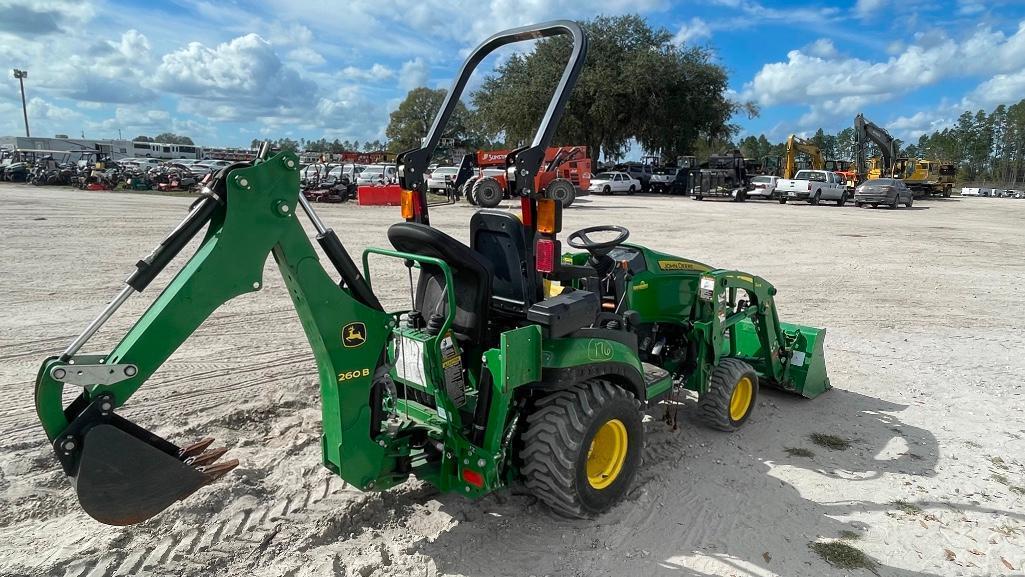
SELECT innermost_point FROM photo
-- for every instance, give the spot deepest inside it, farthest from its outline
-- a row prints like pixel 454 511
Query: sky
pixel 226 72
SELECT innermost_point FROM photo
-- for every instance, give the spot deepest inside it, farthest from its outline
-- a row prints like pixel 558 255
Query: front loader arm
pixel 125 474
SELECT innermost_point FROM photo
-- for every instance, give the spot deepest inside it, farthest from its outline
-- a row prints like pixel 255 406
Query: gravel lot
pixel 925 349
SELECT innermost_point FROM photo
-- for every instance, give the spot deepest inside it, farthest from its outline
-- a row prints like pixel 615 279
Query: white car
pixel 440 177
pixel 613 182
pixel 144 163
pixel 378 174
pixel 763 187
pixel 205 166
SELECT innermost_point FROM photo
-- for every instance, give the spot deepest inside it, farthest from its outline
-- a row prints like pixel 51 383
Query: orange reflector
pixel 473 477
pixel 549 215
pixel 544 255
pixel 406 200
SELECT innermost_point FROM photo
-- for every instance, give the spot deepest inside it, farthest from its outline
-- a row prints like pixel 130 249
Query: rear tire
pixel 731 395
pixel 488 192
pixel 582 447
pixel 606 190
pixel 782 199
pixel 814 201
pixel 562 189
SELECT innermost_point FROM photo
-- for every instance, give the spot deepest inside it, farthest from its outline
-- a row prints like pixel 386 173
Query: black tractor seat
pixel 471 273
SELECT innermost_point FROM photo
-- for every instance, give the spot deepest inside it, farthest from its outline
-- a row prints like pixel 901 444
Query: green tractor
pixel 515 362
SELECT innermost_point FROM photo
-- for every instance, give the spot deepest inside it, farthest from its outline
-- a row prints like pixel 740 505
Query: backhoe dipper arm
pixel 523 163
pixel 124 474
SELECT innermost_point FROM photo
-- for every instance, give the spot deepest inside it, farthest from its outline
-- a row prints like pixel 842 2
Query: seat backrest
pixel 471 275
pixel 501 239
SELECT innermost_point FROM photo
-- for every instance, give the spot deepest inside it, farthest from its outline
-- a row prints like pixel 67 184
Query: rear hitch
pixel 124 474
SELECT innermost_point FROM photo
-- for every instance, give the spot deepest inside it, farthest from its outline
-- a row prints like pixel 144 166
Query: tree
pixel 411 121
pixel 142 138
pixel 171 138
pixel 636 85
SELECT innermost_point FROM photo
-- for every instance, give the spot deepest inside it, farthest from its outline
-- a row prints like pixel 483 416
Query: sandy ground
pixel 925 349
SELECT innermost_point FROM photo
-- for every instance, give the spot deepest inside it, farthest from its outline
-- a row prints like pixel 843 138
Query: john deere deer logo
pixel 354 334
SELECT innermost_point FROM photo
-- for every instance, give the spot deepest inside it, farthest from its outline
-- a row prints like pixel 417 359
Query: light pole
pixel 21 75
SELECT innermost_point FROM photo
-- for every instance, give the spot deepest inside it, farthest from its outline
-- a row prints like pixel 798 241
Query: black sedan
pixel 883 191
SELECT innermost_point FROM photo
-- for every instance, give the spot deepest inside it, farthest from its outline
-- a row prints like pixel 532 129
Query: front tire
pixel 782 199
pixel 606 190
pixel 731 395
pixel 488 192
pixel 582 447
pixel 842 200
pixel 911 201
pixel 630 191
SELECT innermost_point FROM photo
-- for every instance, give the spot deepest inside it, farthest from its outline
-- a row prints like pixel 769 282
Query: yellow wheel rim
pixel 740 402
pixel 607 454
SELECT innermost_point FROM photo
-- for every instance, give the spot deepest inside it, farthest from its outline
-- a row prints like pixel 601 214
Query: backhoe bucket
pixel 126 474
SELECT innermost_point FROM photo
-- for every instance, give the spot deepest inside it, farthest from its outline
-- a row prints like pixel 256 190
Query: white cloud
pixel 823 48
pixel 691 31
pixel 1002 88
pixel 305 55
pixel 909 128
pixel 866 8
pixel 832 85
pixel 375 73
pixel 970 7
pixel 413 73
pixel 236 79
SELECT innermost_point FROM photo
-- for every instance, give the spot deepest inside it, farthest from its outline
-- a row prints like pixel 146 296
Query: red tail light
pixel 473 477
pixel 809 186
pixel 544 255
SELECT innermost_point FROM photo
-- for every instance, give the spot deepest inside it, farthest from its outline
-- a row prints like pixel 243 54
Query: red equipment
pixel 565 174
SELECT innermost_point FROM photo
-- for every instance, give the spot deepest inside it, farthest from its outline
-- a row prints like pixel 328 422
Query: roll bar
pixel 412 164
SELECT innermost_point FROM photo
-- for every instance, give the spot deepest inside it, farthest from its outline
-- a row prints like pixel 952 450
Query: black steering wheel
pixel 580 240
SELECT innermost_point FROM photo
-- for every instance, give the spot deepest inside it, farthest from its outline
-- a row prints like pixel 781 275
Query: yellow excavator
pixel 926 177
pixel 865 132
pixel 797 144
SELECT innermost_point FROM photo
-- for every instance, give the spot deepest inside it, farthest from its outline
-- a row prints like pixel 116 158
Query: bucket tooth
pixel 195 448
pixel 206 457
pixel 215 471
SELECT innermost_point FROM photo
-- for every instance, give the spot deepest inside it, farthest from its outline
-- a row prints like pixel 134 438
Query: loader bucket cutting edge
pixel 123 479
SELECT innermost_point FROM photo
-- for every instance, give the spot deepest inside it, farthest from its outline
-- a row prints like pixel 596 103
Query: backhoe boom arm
pixel 252 217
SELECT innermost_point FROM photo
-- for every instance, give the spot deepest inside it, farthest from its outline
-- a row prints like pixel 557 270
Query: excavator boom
pixel 866 131
pixel 797 144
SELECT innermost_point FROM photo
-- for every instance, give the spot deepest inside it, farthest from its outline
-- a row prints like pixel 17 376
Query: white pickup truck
pixel 813 186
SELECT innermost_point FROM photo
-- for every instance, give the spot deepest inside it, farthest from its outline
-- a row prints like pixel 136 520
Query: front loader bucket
pixel 126 474
pixel 806 371
pixel 807 360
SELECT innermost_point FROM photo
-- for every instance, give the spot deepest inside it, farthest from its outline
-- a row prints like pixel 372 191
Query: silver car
pixel 883 191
